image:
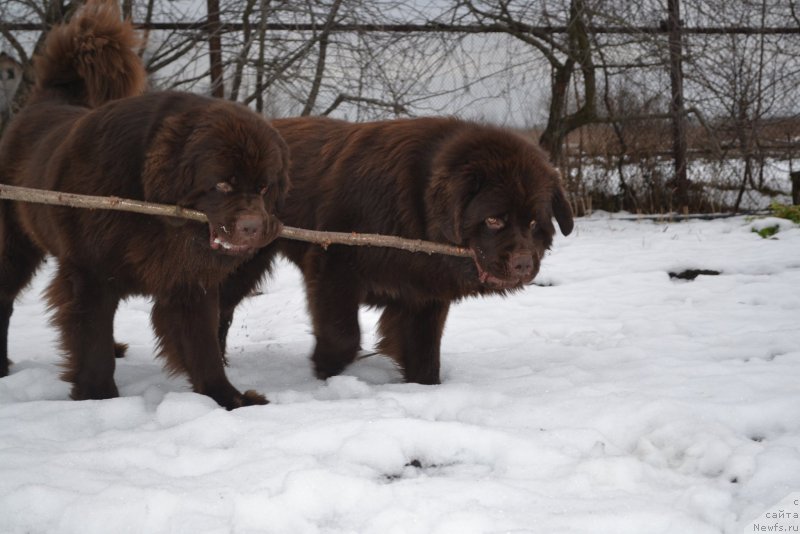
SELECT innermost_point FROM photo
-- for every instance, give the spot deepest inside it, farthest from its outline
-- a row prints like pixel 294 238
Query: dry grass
pixel 630 167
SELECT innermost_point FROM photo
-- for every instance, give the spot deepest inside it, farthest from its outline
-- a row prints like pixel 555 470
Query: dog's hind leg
pixel 19 259
pixel 84 313
pixel 412 337
pixel 333 300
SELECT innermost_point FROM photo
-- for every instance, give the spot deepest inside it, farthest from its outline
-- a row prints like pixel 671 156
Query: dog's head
pixel 229 164
pixel 495 192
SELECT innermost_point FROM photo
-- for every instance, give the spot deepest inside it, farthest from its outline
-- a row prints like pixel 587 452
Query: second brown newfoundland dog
pixel 439 179
pixel 85 130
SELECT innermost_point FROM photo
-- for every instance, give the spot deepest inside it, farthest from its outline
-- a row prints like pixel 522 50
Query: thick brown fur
pixel 440 179
pixel 88 129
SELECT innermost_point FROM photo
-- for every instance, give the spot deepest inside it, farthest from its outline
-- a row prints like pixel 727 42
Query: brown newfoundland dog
pixel 438 179
pixel 86 130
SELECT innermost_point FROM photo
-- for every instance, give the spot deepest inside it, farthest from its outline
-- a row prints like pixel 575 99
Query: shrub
pixel 786 211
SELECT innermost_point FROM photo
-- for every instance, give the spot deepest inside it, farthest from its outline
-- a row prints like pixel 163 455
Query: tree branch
pixel 437 27
pixel 321 58
pixel 325 239
pixel 396 107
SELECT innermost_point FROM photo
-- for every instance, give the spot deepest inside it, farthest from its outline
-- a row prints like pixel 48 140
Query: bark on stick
pixel 325 239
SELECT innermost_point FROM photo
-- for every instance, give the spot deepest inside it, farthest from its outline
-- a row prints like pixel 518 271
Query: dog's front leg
pixel 187 324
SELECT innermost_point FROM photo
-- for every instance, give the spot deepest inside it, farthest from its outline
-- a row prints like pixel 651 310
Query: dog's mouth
pixel 220 241
pixel 496 282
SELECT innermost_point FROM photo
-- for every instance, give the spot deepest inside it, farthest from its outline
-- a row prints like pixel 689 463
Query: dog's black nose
pixel 521 264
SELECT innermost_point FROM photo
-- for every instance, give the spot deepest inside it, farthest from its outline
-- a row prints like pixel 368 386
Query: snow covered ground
pixel 611 399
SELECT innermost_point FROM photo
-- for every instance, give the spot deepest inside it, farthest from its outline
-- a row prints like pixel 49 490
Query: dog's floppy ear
pixel 276 196
pixel 166 176
pixel 562 211
pixel 446 199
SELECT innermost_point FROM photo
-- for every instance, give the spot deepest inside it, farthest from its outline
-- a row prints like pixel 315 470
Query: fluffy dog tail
pixel 91 59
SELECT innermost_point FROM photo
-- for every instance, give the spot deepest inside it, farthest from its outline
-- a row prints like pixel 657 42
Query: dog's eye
pixel 495 223
pixel 224 187
pixel 533 225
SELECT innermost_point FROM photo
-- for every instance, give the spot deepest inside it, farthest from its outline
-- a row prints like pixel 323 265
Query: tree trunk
pixel 579 52
pixel 261 64
pixel 676 106
pixel 554 134
pixel 213 27
pixel 244 53
pixel 321 58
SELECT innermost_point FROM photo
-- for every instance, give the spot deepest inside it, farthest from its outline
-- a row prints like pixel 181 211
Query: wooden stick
pixel 325 239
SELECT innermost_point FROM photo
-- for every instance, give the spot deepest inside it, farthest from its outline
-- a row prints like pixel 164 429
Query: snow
pixel 611 398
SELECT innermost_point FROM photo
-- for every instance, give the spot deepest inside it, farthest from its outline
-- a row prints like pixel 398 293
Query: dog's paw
pixel 94 391
pixel 253 398
pixel 328 365
pixel 239 400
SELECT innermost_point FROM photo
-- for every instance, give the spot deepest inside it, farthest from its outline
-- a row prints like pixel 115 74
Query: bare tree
pixel 568 54
pixel 744 81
